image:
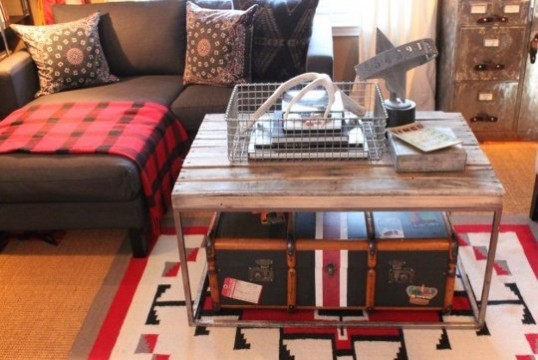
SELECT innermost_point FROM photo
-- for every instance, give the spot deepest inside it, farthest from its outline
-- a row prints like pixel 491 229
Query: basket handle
pixel 316 80
pixel 323 80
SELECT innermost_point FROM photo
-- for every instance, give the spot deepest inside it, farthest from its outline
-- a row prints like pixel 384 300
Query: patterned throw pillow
pixel 67 55
pixel 218 46
pixel 281 36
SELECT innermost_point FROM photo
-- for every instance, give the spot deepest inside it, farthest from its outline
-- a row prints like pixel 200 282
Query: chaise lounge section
pixel 145 44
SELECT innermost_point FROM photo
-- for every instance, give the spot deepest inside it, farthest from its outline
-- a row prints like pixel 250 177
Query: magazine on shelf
pixel 425 137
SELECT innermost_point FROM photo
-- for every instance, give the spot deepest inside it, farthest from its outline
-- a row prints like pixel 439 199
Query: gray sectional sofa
pixel 145 46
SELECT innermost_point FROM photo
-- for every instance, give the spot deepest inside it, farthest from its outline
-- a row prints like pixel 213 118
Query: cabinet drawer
pixel 487 106
pixel 494 12
pixel 489 53
pixel 472 11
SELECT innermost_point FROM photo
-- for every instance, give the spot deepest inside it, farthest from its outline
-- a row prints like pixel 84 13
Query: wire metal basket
pixel 305 133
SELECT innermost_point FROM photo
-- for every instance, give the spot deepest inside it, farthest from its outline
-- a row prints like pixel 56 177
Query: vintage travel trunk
pixel 415 264
pixel 247 262
pixel 333 260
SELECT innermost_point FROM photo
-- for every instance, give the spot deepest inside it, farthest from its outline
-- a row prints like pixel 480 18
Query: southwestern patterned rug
pixel 147 317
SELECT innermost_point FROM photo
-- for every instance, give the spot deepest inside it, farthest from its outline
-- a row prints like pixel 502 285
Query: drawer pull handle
pixel 331 269
pixel 489 67
pixel 492 19
pixel 483 117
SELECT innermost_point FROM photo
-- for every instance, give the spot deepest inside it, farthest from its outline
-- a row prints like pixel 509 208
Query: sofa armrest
pixel 18 82
pixel 320 55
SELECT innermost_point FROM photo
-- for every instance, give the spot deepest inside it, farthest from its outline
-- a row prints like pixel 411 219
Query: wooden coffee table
pixel 210 182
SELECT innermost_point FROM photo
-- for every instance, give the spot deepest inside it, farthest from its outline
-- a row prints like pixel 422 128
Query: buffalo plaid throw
pixel 145 133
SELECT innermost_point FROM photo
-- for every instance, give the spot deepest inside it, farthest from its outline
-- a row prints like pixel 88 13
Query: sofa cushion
pixel 197 100
pixel 68 55
pixel 139 38
pixel 35 178
pixel 218 46
pixel 162 89
pixel 281 35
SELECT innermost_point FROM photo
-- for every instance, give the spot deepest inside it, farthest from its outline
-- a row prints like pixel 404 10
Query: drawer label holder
pixel 511 9
pixel 485 96
pixel 489 43
pixel 479 9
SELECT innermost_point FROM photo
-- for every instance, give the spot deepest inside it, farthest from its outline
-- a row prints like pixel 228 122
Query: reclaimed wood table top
pixel 210 181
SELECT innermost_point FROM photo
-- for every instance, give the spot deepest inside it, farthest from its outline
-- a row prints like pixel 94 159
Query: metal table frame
pixel 478 309
pixel 210 182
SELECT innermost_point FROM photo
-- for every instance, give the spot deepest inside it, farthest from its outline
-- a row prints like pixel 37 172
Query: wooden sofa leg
pixel 139 242
pixel 534 200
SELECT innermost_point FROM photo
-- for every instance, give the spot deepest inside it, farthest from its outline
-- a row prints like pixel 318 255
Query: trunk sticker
pixel 421 295
pixel 241 290
pixel 391 228
pixel 400 272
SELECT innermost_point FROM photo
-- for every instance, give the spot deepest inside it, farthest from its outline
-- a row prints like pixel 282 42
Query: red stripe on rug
pixel 524 234
pixel 117 312
pixel 195 230
pixel 110 329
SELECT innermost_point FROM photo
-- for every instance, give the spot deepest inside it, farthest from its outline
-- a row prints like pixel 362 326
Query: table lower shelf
pixel 471 315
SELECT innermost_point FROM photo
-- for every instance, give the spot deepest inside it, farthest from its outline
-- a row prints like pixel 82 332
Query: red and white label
pixel 331 289
pixel 241 290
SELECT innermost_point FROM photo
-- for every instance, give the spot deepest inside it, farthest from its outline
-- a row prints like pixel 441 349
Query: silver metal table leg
pixel 494 236
pixel 184 267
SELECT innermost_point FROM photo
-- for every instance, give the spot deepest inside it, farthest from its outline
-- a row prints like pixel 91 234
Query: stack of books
pixel 307 135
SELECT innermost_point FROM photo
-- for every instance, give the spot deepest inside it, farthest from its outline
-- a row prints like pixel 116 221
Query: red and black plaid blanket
pixel 145 133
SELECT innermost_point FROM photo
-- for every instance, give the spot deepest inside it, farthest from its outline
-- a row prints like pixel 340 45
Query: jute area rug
pixel 46 290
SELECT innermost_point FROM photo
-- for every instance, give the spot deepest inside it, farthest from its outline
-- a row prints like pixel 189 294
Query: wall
pixel 346 56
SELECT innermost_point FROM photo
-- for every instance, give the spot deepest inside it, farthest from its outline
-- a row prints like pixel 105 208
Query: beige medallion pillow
pixel 67 55
pixel 218 46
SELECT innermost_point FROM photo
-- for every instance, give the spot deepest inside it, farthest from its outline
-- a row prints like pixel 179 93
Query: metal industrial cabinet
pixel 527 124
pixel 485 71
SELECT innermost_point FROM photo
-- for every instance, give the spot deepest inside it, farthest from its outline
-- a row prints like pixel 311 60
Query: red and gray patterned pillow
pixel 281 36
pixel 67 55
pixel 218 46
